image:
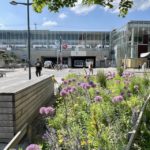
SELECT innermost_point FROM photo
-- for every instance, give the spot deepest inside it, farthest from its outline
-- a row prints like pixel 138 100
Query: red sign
pixel 65 46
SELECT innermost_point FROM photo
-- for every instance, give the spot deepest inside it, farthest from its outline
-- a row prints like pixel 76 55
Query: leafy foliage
pixel 55 5
pixel 101 78
pixel 88 118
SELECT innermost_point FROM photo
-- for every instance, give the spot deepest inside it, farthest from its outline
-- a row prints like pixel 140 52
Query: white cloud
pixel 2 26
pixel 62 16
pixel 49 23
pixel 141 4
pixel 82 9
pixel 138 5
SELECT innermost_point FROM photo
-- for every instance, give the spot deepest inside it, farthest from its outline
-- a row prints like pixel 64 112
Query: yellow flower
pixel 60 141
pixel 83 143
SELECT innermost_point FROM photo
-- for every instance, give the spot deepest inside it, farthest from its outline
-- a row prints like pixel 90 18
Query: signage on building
pixel 78 53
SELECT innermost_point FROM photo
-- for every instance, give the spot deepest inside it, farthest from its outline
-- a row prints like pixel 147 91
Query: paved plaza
pixel 19 76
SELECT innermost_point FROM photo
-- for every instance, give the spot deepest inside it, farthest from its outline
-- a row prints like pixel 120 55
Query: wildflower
pixel 117 99
pixel 69 81
pixel 48 111
pixel 42 110
pixel 62 79
pixel 97 92
pixel 63 92
pixel 98 98
pixel 71 89
pixel 73 80
pixel 65 82
pixel 85 85
pixel 33 147
pixel 92 84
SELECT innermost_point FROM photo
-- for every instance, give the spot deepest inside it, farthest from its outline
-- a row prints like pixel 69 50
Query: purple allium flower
pixel 47 111
pixel 69 81
pixel 98 98
pixel 92 84
pixel 62 79
pixel 78 83
pixel 63 92
pixel 110 75
pixel 122 93
pixel 70 89
pixel 117 99
pixel 97 92
pixel 65 82
pixel 50 111
pixel 42 110
pixel 33 147
pixel 73 80
pixel 85 85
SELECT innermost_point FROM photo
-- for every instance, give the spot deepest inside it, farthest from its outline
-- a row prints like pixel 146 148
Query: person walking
pixel 91 68
pixel 38 67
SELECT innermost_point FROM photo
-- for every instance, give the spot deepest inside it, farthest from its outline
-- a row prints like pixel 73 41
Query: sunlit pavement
pixel 20 76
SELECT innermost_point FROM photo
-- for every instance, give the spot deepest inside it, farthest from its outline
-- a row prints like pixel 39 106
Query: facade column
pixel 132 43
pixel 69 61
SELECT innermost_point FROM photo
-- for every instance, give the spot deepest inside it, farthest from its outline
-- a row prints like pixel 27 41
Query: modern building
pixel 130 41
pixel 77 48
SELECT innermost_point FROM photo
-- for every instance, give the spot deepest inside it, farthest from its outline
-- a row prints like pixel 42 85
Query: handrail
pixel 16 139
pixel 136 127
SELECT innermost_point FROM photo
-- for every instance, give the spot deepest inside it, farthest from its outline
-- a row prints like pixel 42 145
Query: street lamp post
pixel 60 51
pixel 105 58
pixel 28 24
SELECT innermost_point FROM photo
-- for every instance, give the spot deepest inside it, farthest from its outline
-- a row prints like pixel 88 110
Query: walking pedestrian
pixel 91 68
pixel 38 67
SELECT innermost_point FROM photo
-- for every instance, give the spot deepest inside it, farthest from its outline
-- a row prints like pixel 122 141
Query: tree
pixel 55 5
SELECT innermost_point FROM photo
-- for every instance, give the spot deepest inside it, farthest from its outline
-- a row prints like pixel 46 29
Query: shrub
pixel 101 78
pixel 120 71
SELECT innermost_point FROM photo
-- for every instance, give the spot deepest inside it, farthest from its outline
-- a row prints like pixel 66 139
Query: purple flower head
pixel 42 110
pixel 50 111
pixel 47 111
pixel 63 92
pixel 97 92
pixel 98 99
pixel 33 147
pixel 71 89
pixel 69 81
pixel 92 84
pixel 78 83
pixel 117 99
pixel 122 93
pixel 73 80
pixel 85 85
pixel 110 75
pixel 65 82
pixel 62 79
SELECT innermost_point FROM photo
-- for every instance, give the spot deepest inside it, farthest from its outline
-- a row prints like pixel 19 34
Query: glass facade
pixel 51 39
pixel 131 40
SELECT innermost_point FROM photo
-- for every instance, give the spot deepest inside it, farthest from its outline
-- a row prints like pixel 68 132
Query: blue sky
pixel 79 18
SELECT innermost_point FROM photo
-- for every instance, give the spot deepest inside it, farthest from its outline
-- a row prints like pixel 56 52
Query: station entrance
pixel 80 62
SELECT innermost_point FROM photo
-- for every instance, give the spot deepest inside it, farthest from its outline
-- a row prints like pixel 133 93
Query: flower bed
pixel 94 112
